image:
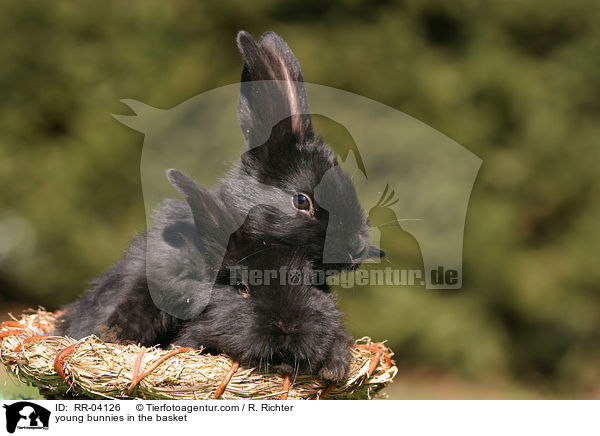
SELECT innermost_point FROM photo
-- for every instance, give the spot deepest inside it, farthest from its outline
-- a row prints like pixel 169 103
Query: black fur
pixel 169 271
pixel 272 95
pixel 293 327
pixel 285 157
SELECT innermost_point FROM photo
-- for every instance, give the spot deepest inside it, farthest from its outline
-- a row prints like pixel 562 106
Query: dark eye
pixel 242 288
pixel 303 203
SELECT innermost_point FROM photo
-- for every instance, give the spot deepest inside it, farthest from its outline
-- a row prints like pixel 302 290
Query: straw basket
pixel 91 368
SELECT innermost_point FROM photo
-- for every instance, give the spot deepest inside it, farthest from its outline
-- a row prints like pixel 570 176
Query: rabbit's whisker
pixel 254 253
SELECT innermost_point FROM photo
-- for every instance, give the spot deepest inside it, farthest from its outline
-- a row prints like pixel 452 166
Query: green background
pixel 517 83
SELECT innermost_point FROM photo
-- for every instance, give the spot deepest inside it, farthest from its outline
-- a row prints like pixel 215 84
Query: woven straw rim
pixel 91 368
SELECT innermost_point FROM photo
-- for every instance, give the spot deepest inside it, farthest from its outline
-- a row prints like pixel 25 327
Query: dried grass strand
pixel 91 368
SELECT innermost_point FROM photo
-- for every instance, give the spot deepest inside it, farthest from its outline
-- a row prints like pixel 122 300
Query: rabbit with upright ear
pixel 288 187
pixel 280 320
pixel 288 178
pixel 287 190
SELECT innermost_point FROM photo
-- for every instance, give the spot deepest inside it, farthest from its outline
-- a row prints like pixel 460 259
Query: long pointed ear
pixel 273 100
pixel 206 210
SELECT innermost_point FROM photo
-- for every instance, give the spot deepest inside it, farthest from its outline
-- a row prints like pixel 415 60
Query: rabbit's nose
pixel 284 327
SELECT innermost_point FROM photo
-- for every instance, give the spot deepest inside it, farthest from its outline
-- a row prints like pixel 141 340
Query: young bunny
pixel 288 176
pixel 287 190
pixel 288 187
pixel 279 320
pixel 165 276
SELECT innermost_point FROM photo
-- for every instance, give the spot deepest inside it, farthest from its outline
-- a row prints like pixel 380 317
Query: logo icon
pixel 26 415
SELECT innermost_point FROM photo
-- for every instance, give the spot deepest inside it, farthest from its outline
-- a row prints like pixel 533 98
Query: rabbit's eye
pixel 303 203
pixel 242 288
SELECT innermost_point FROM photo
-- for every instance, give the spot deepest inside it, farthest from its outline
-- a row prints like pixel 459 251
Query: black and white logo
pixel 25 415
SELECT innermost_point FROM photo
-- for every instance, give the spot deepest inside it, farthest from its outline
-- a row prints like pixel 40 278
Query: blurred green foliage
pixel 517 83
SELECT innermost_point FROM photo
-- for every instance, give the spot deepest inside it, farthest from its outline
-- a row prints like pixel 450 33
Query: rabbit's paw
pixel 334 370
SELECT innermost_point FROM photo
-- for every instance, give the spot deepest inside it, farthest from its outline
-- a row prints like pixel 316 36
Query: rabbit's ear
pixel 273 100
pixel 205 208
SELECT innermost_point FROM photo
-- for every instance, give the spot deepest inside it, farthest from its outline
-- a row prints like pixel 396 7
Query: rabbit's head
pixel 289 185
pixel 267 312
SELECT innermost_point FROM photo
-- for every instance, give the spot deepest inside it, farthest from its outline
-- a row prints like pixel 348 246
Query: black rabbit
pixel 279 320
pixel 164 278
pixel 287 190
pixel 288 177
